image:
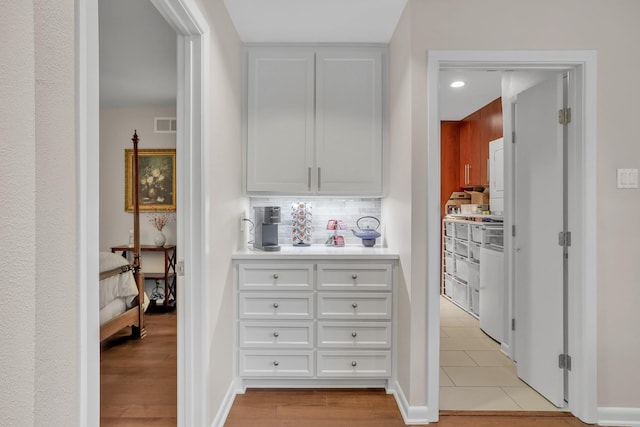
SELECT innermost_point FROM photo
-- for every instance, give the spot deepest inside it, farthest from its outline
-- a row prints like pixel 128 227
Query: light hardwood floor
pixel 138 385
pixel 138 388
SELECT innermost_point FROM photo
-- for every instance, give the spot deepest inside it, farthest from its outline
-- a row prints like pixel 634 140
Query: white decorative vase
pixel 159 239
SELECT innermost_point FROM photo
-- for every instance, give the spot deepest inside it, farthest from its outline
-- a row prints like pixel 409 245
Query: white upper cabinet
pixel 315 121
pixel 280 120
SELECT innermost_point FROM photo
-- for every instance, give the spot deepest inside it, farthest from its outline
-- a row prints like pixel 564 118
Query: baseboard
pixel 226 405
pixel 625 417
pixel 412 415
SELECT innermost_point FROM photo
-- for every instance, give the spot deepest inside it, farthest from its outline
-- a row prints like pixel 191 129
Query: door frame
pixel 582 207
pixel 192 174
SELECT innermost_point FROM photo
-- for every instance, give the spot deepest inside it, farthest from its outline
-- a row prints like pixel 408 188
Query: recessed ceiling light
pixel 458 83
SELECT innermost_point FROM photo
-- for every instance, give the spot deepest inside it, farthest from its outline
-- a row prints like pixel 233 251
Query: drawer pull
pixel 275 305
pixel 276 334
pixel 354 363
pixel 354 276
pixel 276 363
pixel 275 275
pixel 354 334
pixel 354 305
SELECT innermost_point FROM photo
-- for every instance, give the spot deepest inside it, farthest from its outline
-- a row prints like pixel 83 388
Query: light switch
pixel 628 178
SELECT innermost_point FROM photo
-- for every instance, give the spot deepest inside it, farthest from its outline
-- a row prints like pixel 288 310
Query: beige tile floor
pixel 474 373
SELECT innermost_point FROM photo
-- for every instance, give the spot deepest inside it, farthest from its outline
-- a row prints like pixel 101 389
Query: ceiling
pixel 315 21
pixel 138 49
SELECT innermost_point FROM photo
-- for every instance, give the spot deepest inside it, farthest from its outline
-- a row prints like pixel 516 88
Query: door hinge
pixel 564 362
pixel 564 238
pixel 564 116
pixel 513 324
pixel 513 231
pixel 513 137
pixel 180 268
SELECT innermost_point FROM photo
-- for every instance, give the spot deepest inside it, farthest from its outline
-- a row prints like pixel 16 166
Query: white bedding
pixel 117 293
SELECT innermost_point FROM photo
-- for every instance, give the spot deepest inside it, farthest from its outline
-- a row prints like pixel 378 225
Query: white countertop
pixel 317 251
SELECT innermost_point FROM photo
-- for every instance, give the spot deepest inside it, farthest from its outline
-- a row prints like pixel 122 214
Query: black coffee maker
pixel 267 219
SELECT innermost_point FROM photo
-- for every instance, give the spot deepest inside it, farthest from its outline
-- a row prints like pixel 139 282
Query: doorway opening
pixel 478 363
pixel 581 289
pixel 192 198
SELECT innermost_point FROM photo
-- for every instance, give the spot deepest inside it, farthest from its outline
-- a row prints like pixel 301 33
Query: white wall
pixel 116 130
pixel 572 25
pixel 398 202
pixel 226 199
pixel 38 215
pixel 17 214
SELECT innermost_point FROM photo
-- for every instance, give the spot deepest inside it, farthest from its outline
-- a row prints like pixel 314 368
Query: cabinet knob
pixel 354 276
pixel 354 334
pixel 276 334
pixel 275 305
pixel 354 363
pixel 276 363
pixel 275 275
pixel 354 305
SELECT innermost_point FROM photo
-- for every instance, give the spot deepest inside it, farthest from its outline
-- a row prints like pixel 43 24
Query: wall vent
pixel 165 125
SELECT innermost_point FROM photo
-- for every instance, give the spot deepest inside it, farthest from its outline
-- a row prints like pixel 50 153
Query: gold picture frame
pixel 157 180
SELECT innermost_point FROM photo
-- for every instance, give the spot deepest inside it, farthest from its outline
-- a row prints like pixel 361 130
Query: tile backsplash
pixel 347 210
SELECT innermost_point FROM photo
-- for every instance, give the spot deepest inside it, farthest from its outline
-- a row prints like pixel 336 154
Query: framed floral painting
pixel 156 180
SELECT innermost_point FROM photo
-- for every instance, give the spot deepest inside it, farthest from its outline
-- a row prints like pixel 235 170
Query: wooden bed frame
pixel 134 316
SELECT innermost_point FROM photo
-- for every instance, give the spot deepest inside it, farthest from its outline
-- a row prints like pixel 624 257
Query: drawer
pixel 354 306
pixel 462 268
pixel 265 363
pixel 461 294
pixel 448 286
pixel 475 302
pixel 276 334
pixel 461 247
pixel 474 251
pixel 448 244
pixel 354 277
pixel 354 364
pixel 474 275
pixel 476 232
pixel 276 305
pixel 448 228
pixel 275 276
pixel 354 334
pixel 449 263
pixel 461 230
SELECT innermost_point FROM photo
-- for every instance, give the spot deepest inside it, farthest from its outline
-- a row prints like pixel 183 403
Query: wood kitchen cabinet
pixel 449 159
pixel 314 120
pixel 476 131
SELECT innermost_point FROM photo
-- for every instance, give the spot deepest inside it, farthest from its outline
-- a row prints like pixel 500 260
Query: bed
pixel 122 297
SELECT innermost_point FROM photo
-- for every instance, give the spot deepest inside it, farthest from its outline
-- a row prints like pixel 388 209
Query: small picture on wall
pixel 156 180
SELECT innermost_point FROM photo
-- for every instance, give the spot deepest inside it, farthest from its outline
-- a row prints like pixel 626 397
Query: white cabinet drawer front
pixel 276 364
pixel 354 364
pixel 354 334
pixel 345 305
pixel 276 305
pixel 365 277
pixel 276 334
pixel 276 276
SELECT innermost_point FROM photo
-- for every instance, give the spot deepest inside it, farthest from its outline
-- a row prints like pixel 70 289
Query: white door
pixel 539 328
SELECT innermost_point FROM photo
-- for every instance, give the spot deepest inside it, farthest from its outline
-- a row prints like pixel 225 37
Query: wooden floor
pixel 138 388
pixel 138 384
pixel 363 408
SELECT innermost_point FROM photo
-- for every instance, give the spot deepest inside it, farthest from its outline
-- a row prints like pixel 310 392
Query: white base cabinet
pixel 315 323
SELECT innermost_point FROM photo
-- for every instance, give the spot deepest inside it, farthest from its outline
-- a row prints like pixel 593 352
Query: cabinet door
pixel 349 121
pixel 280 120
pixel 469 155
pixel 491 129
